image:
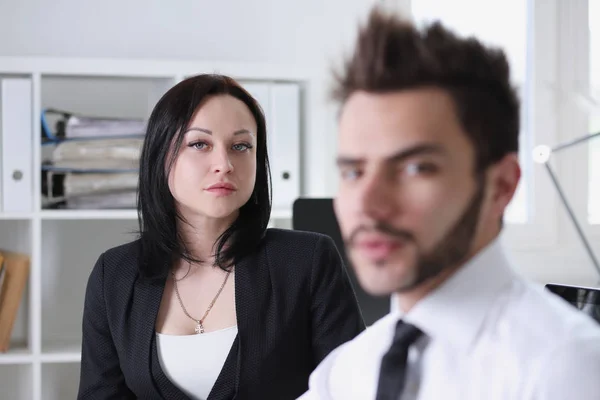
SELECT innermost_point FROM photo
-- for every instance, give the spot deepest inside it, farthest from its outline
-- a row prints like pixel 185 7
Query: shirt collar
pixel 456 310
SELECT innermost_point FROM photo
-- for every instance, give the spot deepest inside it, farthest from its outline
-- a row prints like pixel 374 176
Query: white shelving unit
pixel 43 360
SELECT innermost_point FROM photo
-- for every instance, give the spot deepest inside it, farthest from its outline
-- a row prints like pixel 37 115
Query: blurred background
pixel 82 77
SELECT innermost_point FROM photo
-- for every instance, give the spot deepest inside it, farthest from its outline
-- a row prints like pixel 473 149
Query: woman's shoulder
pixel 287 239
pixel 120 260
pixel 124 253
pixel 299 247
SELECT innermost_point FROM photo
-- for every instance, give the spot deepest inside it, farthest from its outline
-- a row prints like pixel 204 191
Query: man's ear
pixel 505 177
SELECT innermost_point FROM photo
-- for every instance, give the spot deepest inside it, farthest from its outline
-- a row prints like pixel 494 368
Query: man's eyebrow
pixel 399 156
pixel 418 150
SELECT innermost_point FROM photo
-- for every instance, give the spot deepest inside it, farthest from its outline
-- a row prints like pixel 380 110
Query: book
pixel 98 149
pixel 102 201
pixel 2 275
pixel 16 273
pixel 71 126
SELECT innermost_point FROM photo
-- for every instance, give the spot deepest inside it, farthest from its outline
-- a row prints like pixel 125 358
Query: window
pixel 487 20
pixel 594 120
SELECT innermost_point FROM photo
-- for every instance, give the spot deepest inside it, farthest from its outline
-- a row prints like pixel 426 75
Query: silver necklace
pixel 199 322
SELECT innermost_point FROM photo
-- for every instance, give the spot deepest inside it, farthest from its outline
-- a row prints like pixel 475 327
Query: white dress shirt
pixel 489 335
pixel 193 362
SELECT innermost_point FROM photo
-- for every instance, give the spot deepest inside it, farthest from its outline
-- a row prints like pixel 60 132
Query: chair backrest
pixel 317 215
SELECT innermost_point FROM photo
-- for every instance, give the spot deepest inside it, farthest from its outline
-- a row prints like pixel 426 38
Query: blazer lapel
pixel 252 293
pixel 148 295
pixel 144 310
pixel 228 384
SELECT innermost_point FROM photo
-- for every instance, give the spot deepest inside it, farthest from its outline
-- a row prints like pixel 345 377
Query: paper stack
pixel 90 163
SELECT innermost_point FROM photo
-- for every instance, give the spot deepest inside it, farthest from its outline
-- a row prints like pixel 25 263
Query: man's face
pixel 409 203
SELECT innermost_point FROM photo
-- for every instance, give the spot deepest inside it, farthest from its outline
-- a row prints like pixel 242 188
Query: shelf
pixel 118 97
pixel 60 381
pixel 88 214
pixel 57 352
pixel 15 216
pixel 16 355
pixel 15 235
pixel 70 248
pixel 16 382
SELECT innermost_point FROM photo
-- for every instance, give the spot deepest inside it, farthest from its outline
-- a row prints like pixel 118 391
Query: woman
pixel 208 303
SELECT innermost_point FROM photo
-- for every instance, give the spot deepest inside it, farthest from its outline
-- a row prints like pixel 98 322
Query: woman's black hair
pixel 161 244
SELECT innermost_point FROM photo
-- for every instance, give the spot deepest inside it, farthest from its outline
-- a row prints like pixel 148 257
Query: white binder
pixel 261 92
pixel 16 145
pixel 285 144
pixel 281 105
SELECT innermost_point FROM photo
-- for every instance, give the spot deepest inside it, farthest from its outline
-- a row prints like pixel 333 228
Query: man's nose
pixel 377 200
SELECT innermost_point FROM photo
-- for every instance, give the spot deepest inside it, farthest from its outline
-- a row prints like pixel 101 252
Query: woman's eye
pixel 241 147
pixel 198 145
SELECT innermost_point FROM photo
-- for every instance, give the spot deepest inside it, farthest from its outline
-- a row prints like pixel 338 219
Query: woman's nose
pixel 222 162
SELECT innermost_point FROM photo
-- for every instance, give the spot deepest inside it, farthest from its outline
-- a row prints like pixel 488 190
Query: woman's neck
pixel 200 234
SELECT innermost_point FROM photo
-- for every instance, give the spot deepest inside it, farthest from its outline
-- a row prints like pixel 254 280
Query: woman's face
pixel 215 171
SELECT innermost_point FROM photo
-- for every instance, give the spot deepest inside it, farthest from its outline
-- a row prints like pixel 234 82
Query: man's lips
pixel 377 249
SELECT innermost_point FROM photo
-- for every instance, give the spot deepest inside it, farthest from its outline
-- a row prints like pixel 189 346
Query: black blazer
pixel 294 305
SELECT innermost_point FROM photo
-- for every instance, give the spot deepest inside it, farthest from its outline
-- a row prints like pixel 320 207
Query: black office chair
pixel 317 215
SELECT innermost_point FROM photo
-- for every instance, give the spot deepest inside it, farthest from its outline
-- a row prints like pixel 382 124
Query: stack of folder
pixel 90 162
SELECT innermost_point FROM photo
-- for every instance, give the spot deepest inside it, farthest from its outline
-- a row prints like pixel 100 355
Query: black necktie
pixel 393 363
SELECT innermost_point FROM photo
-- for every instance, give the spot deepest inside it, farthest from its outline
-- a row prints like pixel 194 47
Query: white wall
pixel 228 30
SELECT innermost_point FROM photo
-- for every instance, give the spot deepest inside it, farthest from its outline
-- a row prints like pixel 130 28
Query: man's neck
pixel 407 299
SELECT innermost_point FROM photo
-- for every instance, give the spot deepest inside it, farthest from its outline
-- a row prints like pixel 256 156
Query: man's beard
pixel 451 251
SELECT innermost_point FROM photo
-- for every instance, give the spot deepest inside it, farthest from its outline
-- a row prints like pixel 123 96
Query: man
pixel 428 144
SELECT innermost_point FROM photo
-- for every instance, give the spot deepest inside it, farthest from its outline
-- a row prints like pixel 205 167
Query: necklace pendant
pixel 199 328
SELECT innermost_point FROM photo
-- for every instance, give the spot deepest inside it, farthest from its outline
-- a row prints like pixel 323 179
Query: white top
pixel 193 362
pixel 489 334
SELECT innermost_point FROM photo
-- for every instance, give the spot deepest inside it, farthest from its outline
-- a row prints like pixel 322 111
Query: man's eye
pixel 420 168
pixel 350 174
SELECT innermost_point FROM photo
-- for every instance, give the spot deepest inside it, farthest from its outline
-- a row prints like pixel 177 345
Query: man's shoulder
pixel 541 321
pixel 348 371
pixel 365 343
pixel 375 339
pixel 559 344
